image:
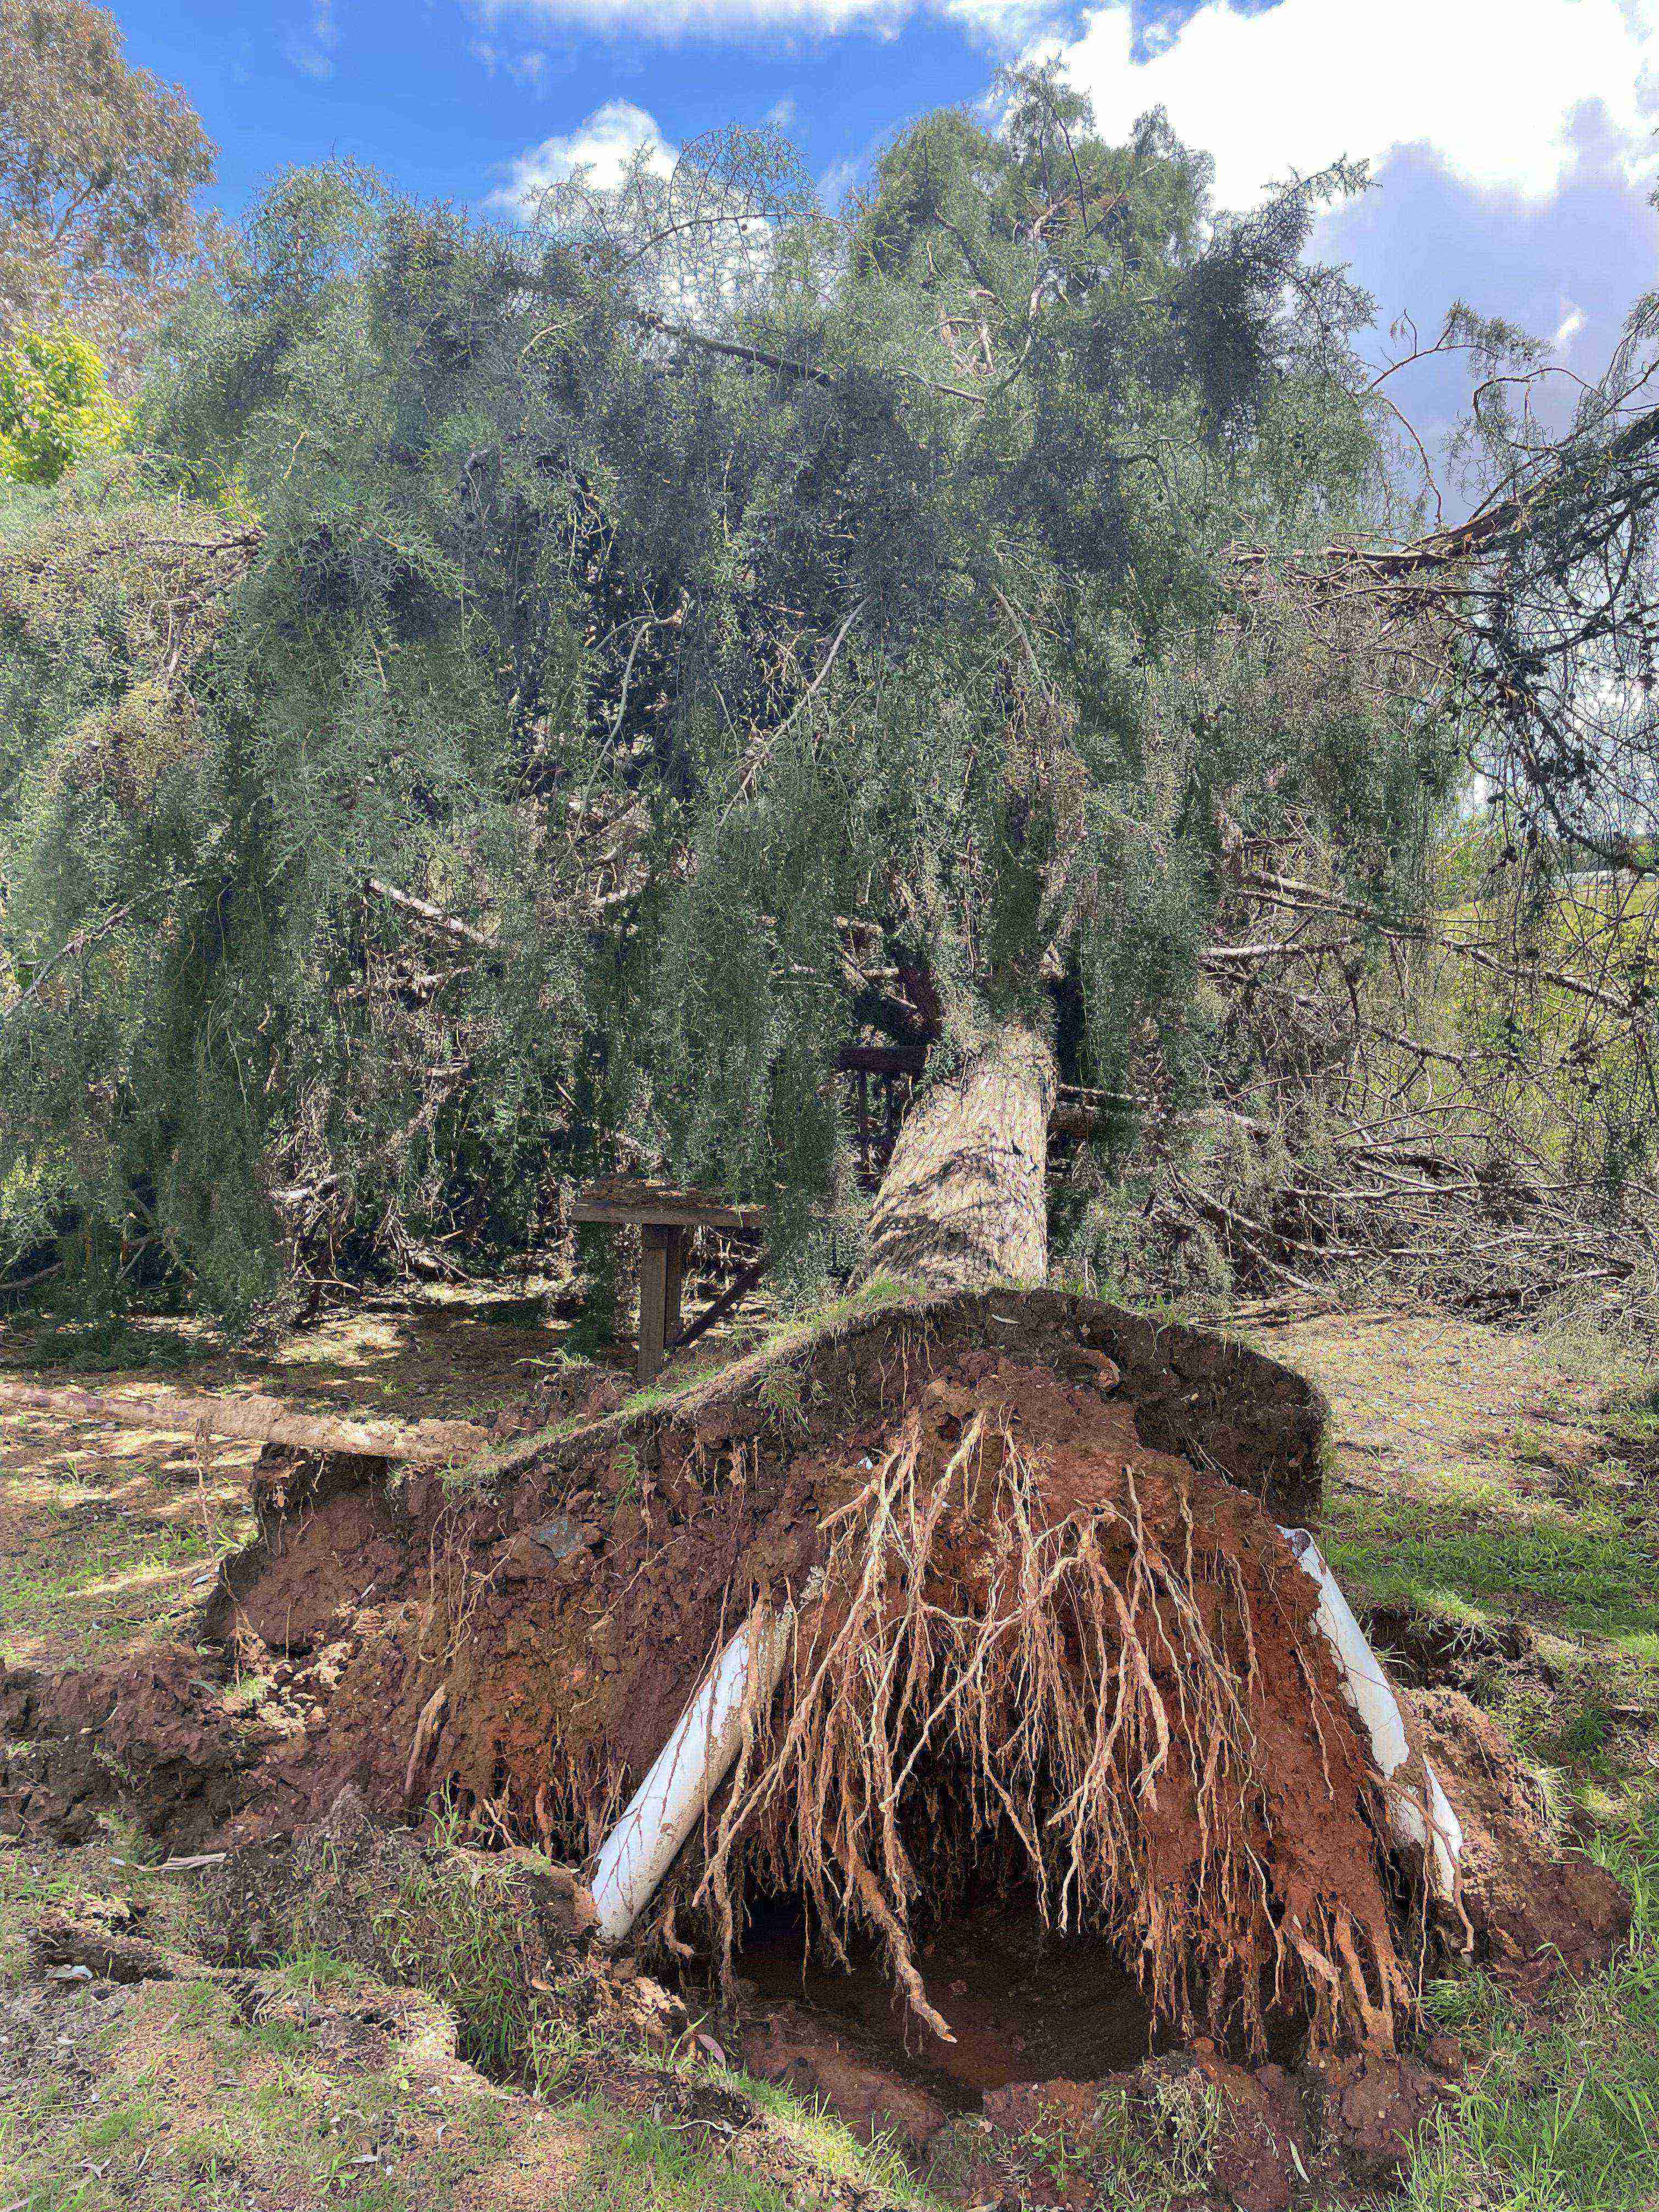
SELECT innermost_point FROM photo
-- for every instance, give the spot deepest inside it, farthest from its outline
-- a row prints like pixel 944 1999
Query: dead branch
pixel 69 949
pixel 255 1420
pixel 433 917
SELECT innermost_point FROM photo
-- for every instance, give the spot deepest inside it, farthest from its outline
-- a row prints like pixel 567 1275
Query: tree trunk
pixel 964 1201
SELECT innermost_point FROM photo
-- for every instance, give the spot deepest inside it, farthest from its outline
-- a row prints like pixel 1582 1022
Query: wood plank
pixel 635 1205
pixel 673 1280
pixel 739 1288
pixel 882 1059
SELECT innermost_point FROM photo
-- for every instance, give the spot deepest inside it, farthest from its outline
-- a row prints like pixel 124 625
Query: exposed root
pixel 431 1713
pixel 1004 1680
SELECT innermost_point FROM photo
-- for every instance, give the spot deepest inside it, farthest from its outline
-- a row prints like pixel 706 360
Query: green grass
pixel 1580 1569
pixel 1591 1582
pixel 644 2165
pixel 1559 2112
pixel 310 1969
pixel 111 1551
pixel 102 1585
pixel 1562 2115
pixel 286 2125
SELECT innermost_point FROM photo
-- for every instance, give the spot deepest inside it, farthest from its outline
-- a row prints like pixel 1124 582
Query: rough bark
pixel 963 1202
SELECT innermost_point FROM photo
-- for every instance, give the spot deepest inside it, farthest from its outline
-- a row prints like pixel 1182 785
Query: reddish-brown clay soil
pixel 1116 1692
pixel 1533 1913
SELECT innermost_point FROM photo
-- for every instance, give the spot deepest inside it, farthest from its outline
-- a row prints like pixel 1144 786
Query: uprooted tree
pixel 540 705
pixel 536 701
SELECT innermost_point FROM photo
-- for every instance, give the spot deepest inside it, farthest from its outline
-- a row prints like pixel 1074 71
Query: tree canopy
pixel 537 701
pixel 55 406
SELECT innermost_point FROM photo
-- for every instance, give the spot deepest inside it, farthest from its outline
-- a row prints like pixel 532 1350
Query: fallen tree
pixel 965 1200
pixel 489 823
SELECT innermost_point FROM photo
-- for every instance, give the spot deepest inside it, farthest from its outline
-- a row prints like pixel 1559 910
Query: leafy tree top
pixel 762 630
pixel 99 164
pixel 55 406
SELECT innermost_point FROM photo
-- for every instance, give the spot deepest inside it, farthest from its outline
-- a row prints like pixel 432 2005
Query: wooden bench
pixel 665 1219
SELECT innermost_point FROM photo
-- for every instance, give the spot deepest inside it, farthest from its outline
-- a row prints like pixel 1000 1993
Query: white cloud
pixel 1006 25
pixel 527 68
pixel 604 146
pixel 837 181
pixel 781 114
pixel 312 48
pixel 1568 328
pixel 1508 93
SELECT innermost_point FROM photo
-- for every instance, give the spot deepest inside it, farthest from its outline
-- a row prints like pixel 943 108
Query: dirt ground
pixel 1421 1400
pixel 1492 1505
pixel 105 1529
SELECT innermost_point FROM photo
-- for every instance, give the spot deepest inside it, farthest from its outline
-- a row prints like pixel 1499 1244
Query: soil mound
pixel 148 1734
pixel 1048 1656
pixel 1534 1911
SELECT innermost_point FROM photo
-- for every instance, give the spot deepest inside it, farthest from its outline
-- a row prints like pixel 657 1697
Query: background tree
pixel 55 407
pixel 98 166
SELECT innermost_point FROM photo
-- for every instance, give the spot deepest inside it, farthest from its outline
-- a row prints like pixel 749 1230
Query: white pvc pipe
pixel 1440 1837
pixel 690 1766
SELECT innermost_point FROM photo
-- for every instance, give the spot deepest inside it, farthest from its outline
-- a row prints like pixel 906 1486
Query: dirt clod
pixel 796 2047
pixel 152 1734
pixel 1536 1909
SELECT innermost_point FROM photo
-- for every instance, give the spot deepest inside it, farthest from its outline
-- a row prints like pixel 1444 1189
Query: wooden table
pixel 665 1219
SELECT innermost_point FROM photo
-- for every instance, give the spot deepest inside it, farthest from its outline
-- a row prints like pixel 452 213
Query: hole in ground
pixel 1027 2004
pixel 1428 1652
pixel 1024 2003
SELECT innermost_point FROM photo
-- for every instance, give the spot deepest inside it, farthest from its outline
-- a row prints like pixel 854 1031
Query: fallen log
pixel 256 1420
pixel 963 1202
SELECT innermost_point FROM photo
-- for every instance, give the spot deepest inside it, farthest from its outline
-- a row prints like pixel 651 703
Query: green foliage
pixel 55 406
pixel 99 166
pixel 751 642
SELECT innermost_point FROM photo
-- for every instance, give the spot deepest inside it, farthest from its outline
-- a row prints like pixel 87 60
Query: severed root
pixel 426 1727
pixel 257 1420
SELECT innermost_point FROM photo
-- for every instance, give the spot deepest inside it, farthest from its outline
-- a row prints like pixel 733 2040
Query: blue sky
pixel 1513 141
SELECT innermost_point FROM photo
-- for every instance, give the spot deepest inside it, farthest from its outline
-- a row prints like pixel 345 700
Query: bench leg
pixel 662 1260
pixel 673 1275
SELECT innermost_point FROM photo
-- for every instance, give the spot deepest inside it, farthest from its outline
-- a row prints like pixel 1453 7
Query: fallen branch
pixel 751 356
pixel 1308 898
pixel 760 751
pixel 254 1421
pixel 68 951
pixel 447 924
pixel 1490 530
